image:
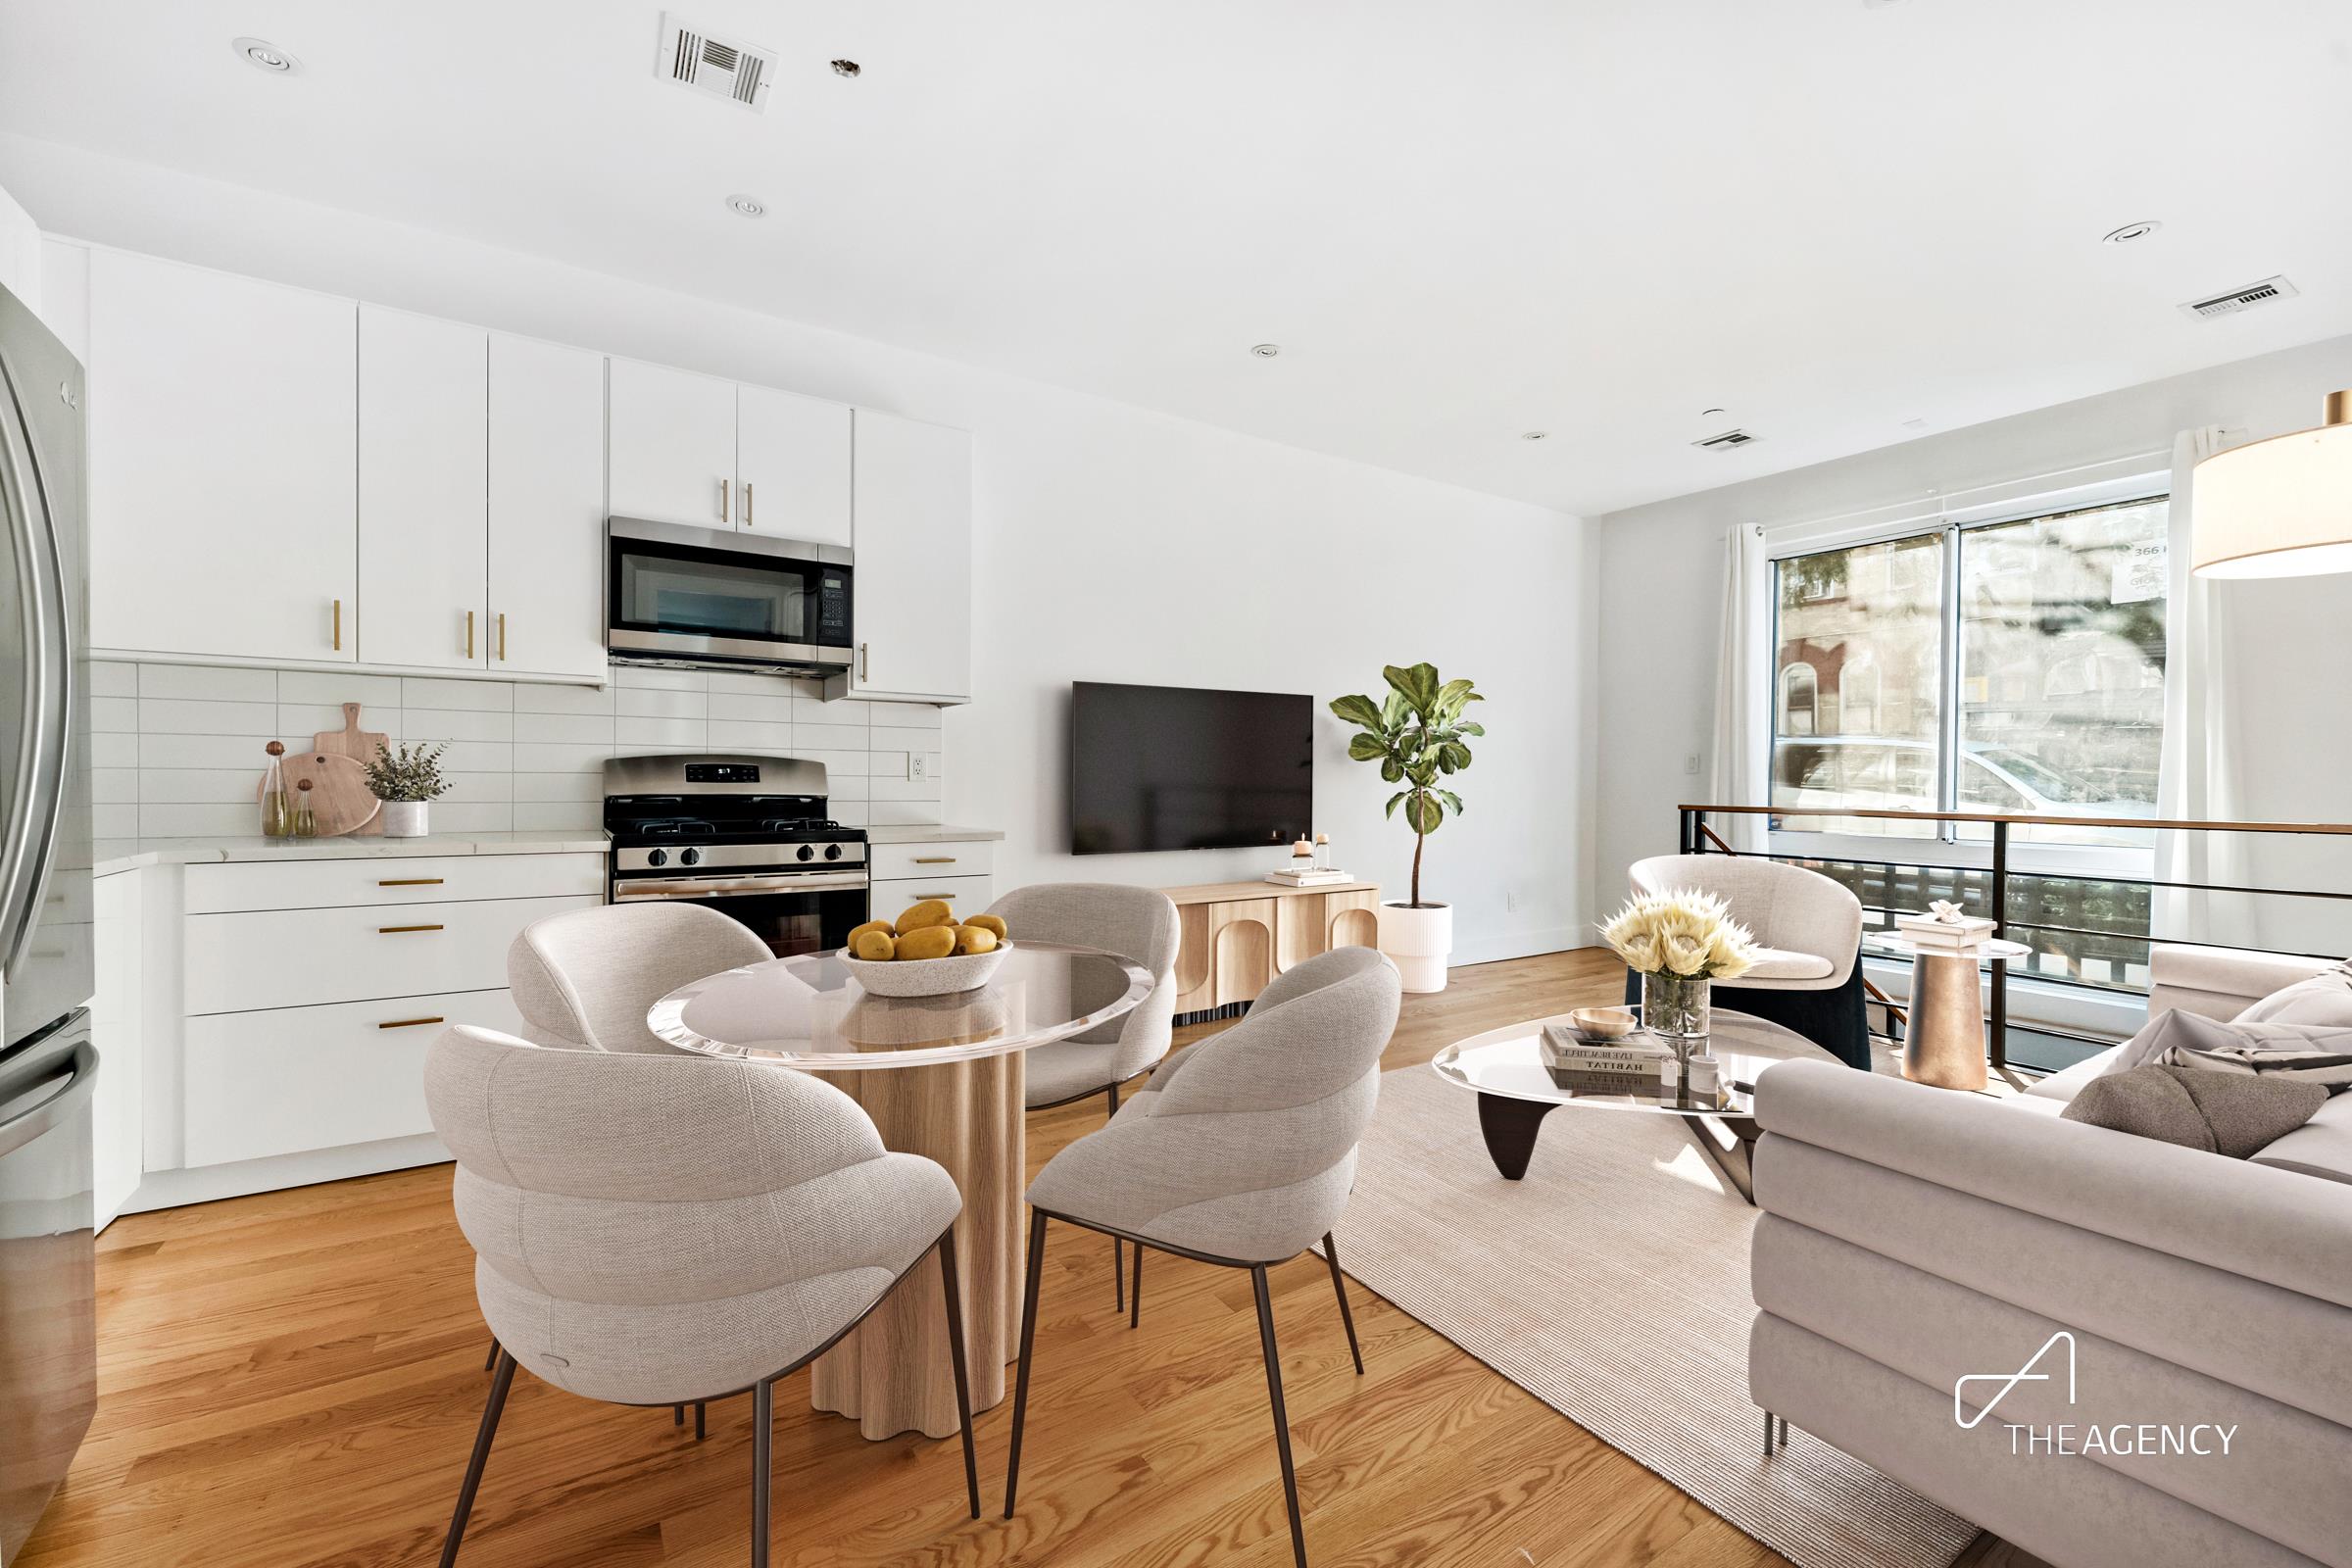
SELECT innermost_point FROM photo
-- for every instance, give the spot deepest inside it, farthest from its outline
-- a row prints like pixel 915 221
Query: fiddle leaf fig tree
pixel 1416 734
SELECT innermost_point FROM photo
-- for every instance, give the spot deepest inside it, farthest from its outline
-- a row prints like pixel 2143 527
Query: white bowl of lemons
pixel 925 952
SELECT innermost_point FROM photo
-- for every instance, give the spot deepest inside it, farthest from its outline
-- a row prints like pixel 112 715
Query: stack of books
pixel 1635 1056
pixel 1953 936
pixel 1308 877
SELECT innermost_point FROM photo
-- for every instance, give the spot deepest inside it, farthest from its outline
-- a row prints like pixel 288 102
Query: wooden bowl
pixel 1603 1025
pixel 925 977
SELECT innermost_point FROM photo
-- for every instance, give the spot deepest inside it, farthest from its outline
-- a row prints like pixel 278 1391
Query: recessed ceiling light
pixel 847 68
pixel 1267 351
pixel 2132 231
pixel 743 206
pixel 262 55
pixel 1535 435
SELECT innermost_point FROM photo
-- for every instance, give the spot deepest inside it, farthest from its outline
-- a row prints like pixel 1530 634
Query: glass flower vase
pixel 1674 1009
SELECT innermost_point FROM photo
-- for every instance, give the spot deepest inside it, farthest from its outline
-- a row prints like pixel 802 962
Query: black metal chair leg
pixel 491 1360
pixel 956 1355
pixel 1282 1420
pixel 677 1416
pixel 1768 1431
pixel 1135 1292
pixel 698 1420
pixel 1331 1255
pixel 482 1457
pixel 1119 1248
pixel 764 1412
pixel 1020 1382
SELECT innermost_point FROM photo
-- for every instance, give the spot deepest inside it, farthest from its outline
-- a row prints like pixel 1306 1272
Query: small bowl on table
pixel 1603 1026
pixel 925 977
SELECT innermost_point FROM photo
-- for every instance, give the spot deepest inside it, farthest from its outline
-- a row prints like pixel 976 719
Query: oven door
pixel 716 597
pixel 792 913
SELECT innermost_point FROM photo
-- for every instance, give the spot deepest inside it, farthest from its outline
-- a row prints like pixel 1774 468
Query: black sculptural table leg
pixel 1509 1126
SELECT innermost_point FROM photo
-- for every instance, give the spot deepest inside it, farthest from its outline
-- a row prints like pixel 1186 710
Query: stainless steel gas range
pixel 745 835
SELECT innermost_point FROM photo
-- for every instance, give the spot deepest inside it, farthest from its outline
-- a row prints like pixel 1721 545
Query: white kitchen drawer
pixel 965 857
pixel 966 894
pixel 302 957
pixel 389 879
pixel 301 1078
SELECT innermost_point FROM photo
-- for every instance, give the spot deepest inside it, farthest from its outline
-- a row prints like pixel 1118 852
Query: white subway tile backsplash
pixel 177 749
pixel 205 683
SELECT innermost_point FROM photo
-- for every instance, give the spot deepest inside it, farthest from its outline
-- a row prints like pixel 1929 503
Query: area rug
pixel 1612 1284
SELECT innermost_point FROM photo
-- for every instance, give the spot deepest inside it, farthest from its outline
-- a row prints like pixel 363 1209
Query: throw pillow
pixel 2323 999
pixel 2221 1113
pixel 2319 1052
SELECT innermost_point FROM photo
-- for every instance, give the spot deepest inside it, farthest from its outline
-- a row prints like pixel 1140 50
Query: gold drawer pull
pixel 391 930
pixel 407 1023
pixel 935 859
pixel 408 881
pixel 944 898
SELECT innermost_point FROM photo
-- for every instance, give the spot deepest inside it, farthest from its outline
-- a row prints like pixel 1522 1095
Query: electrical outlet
pixel 1510 899
pixel 918 764
pixel 1692 761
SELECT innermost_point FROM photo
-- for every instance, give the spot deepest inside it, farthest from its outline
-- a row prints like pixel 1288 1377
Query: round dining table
pixel 942 1077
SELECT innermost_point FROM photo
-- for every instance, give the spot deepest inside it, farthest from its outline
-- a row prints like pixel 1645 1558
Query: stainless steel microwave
pixel 712 598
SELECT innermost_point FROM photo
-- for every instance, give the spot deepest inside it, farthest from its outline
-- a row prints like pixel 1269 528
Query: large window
pixel 2014 666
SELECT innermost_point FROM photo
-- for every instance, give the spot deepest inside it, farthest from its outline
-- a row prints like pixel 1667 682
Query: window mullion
pixel 1947 780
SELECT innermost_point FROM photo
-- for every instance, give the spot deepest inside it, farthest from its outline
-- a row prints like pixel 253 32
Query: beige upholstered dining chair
pixel 1135 923
pixel 1240 1151
pixel 588 978
pixel 657 1230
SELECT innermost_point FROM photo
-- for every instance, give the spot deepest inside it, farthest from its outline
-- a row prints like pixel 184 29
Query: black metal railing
pixel 2060 902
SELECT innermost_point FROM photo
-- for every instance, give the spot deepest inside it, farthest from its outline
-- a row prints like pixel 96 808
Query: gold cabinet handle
pixel 408 881
pixel 470 634
pixel 944 898
pixel 395 930
pixel 338 642
pixel 407 1023
pixel 722 500
pixel 935 859
pixel 502 636
pixel 747 503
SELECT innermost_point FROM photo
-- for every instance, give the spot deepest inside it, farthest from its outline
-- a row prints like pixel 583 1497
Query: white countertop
pixel 124 855
pixel 929 833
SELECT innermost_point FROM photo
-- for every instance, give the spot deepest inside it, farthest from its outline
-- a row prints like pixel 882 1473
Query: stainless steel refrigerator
pixel 48 1067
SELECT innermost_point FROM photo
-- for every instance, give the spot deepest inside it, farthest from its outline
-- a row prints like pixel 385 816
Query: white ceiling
pixel 1461 220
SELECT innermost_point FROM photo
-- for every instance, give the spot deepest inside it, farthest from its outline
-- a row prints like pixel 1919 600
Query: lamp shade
pixel 2280 508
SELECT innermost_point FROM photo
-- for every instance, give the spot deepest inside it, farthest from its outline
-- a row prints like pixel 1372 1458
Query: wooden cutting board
pixel 360 745
pixel 340 801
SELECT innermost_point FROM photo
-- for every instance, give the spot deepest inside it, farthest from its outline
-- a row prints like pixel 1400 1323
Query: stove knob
pixel 806 854
pixel 657 857
pixel 832 852
pixel 690 857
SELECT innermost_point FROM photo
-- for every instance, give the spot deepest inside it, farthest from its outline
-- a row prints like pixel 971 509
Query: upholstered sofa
pixel 1918 1248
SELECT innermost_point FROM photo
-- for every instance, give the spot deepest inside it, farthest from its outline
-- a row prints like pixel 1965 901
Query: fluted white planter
pixel 405 819
pixel 1417 942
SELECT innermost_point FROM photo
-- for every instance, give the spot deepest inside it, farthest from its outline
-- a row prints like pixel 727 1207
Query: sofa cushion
pixel 2321 1146
pixel 2222 1113
pixel 2325 998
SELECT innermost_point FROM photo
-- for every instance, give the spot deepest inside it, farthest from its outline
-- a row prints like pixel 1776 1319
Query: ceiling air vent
pixel 1726 441
pixel 721 66
pixel 2243 299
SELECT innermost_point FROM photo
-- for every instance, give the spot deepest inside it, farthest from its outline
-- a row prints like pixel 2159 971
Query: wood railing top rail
pixel 2166 823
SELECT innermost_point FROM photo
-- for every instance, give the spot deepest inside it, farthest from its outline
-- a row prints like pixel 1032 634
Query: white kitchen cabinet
pixel 791 465
pixel 424 466
pixel 117 1029
pixel 224 510
pixel 911 610
pixel 672 445
pixel 547 510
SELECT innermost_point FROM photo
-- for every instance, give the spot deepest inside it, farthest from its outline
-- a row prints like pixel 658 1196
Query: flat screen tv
pixel 1173 767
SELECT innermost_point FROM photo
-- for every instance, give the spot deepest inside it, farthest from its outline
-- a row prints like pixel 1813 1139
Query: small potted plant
pixel 406 781
pixel 1416 734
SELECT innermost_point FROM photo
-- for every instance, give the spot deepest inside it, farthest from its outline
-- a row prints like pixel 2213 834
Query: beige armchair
pixel 587 978
pixel 661 1230
pixel 1241 1152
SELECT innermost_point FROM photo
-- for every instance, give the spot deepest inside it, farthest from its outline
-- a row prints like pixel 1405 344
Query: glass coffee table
pixel 1517 1089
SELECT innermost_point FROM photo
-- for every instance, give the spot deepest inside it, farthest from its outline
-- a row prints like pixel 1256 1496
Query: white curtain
pixel 2197 779
pixel 1742 753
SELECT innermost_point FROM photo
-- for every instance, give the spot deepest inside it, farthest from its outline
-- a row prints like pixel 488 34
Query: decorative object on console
pixel 2280 508
pixel 1944 926
pixel 407 782
pixel 1416 734
pixel 1678 942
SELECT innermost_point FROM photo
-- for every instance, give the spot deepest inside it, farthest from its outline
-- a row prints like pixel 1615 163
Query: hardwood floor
pixel 295 1379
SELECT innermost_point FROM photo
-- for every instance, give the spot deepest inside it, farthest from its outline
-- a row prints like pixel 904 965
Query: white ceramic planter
pixel 1417 942
pixel 405 819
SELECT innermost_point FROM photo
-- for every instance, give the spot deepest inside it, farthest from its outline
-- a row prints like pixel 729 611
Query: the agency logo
pixel 2054 1364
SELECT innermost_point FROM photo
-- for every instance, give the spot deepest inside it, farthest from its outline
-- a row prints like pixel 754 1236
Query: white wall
pixel 2291 641
pixel 19 252
pixel 1110 543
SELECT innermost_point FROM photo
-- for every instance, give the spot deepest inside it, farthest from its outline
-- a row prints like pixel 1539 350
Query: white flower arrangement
pixel 1683 933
